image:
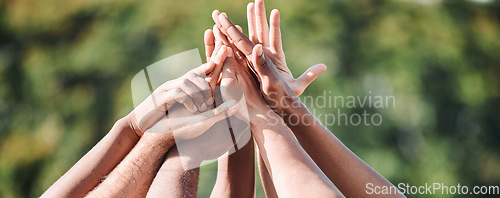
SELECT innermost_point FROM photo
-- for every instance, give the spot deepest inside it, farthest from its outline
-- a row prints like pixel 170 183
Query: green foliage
pixel 66 66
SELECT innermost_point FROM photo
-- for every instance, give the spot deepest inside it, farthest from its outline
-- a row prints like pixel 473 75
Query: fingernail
pixel 194 108
pixel 259 51
pixel 203 107
pixel 210 101
pixel 229 52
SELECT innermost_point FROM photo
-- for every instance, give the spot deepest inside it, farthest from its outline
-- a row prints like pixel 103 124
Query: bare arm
pixel 172 180
pixel 97 163
pixel 349 173
pixel 236 174
pixel 284 157
pixel 133 176
pixel 267 181
pixel 287 161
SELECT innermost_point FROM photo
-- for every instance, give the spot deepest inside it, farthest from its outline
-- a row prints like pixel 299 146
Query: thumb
pixel 309 76
pixel 259 62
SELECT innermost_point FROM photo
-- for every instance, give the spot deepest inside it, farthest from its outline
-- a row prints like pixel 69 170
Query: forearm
pixel 267 182
pixel 97 163
pixel 133 176
pixel 286 161
pixel 172 180
pixel 349 173
pixel 236 174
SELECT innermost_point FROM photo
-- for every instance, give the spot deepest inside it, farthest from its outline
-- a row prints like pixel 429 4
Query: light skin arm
pixel 172 180
pixel 133 176
pixel 236 172
pixel 349 173
pixel 100 160
pixel 97 163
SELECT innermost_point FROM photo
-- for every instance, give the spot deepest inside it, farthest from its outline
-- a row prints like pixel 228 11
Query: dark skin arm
pixel 349 173
pixel 281 153
pixel 236 174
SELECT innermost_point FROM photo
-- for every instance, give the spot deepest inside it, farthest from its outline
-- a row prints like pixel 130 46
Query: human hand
pixel 274 87
pixel 270 38
pixel 237 82
pixel 193 90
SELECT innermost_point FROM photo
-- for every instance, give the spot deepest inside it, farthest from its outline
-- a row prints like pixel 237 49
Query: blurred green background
pixel 66 66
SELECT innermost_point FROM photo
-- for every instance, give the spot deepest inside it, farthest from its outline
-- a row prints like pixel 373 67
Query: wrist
pixel 131 123
pixel 265 119
pixel 125 128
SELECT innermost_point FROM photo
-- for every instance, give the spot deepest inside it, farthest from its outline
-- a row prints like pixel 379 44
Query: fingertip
pixel 223 51
pixel 239 28
pixel 215 15
pixel 320 67
pixel 209 33
pixel 215 12
pixel 229 52
pixel 258 50
pixel 250 6
pixel 209 67
pixel 275 11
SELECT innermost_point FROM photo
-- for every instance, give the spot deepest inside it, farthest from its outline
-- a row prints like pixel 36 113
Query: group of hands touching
pixel 142 155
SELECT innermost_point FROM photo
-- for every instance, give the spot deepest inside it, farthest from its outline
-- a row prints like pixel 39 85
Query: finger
pixel 218 61
pixel 228 74
pixel 262 29
pixel 205 88
pixel 209 40
pixel 275 32
pixel 239 28
pixel 240 40
pixel 215 17
pixel 308 77
pixel 195 93
pixel 259 62
pixel 240 57
pixel 183 98
pixel 251 22
pixel 208 67
pixel 219 36
pixel 202 122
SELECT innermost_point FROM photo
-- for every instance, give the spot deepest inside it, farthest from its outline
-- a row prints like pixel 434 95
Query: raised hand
pixel 193 90
pixel 277 91
pixel 270 38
